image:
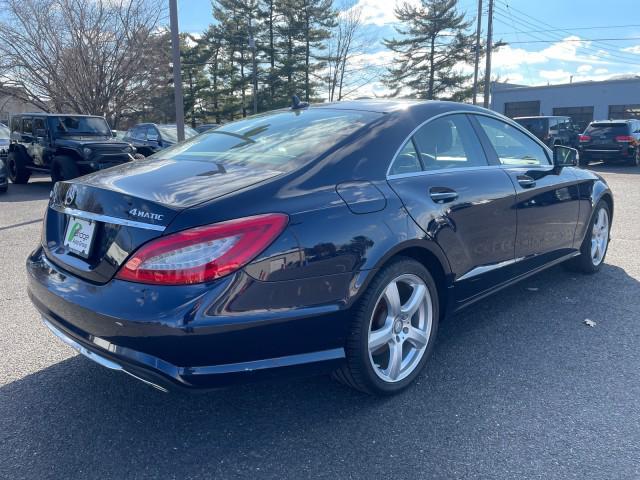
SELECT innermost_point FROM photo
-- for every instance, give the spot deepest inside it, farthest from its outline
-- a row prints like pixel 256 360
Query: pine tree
pixel 431 46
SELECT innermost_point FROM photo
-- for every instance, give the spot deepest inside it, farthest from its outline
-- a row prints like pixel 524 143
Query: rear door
pixel 547 197
pixel 459 200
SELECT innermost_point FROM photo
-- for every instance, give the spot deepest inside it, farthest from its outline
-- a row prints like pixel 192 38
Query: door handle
pixel 526 181
pixel 443 195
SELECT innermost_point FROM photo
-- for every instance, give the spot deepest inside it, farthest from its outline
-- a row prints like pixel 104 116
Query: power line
pixel 572 28
pixel 611 52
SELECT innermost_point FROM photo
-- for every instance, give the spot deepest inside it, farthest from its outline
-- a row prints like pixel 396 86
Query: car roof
pixel 624 120
pixel 540 116
pixel 43 114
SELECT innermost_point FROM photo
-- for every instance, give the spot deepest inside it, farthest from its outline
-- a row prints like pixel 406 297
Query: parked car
pixel 552 130
pixel 611 140
pixel 329 238
pixel 65 146
pixel 149 138
pixel 206 126
pixel 4 148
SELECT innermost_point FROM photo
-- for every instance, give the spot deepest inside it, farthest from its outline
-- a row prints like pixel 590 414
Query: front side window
pixel 4 132
pixel 27 125
pixel 449 142
pixel 511 145
pixel 15 124
pixel 38 124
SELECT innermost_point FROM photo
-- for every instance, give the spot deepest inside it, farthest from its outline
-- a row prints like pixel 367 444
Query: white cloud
pixel 379 12
pixel 557 75
pixel 600 71
pixel 584 68
pixel 635 49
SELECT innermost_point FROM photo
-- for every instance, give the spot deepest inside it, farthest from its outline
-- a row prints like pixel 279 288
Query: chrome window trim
pixel 107 218
pixel 495 116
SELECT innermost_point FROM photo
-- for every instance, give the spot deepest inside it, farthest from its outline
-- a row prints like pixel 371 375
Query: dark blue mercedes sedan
pixel 330 238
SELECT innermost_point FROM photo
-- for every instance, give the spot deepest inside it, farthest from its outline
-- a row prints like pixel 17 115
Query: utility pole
pixel 252 46
pixel 487 70
pixel 477 60
pixel 177 74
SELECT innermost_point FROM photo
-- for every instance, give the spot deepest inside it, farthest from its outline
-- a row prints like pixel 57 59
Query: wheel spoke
pixel 381 337
pixel 392 297
pixel 417 338
pixel 395 360
pixel 413 304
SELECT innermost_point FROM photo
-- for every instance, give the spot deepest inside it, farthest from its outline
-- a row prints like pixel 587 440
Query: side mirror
pixel 565 156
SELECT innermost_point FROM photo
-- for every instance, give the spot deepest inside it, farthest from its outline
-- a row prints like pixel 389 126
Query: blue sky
pixel 536 55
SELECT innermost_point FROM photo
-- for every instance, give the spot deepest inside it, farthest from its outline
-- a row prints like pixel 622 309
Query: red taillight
pixel 203 254
pixel 624 138
pixel 584 138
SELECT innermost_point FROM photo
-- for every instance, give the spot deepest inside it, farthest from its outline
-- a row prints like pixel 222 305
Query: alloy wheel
pixel 599 237
pixel 400 328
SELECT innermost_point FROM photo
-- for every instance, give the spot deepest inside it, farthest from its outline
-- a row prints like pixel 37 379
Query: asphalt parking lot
pixel 518 387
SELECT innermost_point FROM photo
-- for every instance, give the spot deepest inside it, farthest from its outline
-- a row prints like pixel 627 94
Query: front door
pixel 547 196
pixel 463 203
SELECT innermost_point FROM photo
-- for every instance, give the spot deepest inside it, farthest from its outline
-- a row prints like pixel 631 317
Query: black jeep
pixel 552 130
pixel 66 146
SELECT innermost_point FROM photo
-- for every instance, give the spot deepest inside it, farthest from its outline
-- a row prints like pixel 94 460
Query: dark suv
pixel 4 147
pixel 552 130
pixel 617 140
pixel 149 138
pixel 66 146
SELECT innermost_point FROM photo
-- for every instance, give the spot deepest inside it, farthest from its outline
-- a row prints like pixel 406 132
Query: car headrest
pixel 436 137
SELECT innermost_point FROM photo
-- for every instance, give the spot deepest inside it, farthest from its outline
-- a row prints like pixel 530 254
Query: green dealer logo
pixel 74 230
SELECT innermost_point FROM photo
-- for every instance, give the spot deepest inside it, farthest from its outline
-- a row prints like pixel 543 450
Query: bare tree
pixel 83 56
pixel 346 44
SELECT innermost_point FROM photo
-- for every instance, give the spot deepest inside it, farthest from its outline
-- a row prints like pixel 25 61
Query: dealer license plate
pixel 79 236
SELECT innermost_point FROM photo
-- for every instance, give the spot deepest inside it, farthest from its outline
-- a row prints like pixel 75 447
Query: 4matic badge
pixel 134 212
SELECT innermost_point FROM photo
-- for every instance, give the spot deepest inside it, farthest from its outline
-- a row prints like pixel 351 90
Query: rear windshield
pixel 280 140
pixel 537 126
pixel 72 125
pixel 607 129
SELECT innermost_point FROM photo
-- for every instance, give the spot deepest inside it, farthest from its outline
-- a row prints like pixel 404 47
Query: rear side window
pixel 449 142
pixel 407 160
pixel 609 129
pixel 511 145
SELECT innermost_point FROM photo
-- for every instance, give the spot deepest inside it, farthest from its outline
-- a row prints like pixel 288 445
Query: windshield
pixel 72 125
pixel 4 131
pixel 537 126
pixel 281 140
pixel 607 129
pixel 170 133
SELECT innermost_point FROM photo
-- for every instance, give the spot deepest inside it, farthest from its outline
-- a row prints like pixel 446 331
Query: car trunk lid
pixel 124 207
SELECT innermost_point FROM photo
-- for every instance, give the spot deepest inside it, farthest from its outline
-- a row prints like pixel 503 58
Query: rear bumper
pixel 171 338
pixel 607 153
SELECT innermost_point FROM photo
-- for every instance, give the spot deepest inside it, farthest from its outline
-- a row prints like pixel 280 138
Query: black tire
pixel 138 156
pixel 584 263
pixel 635 161
pixel 358 372
pixel 64 168
pixel 17 167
